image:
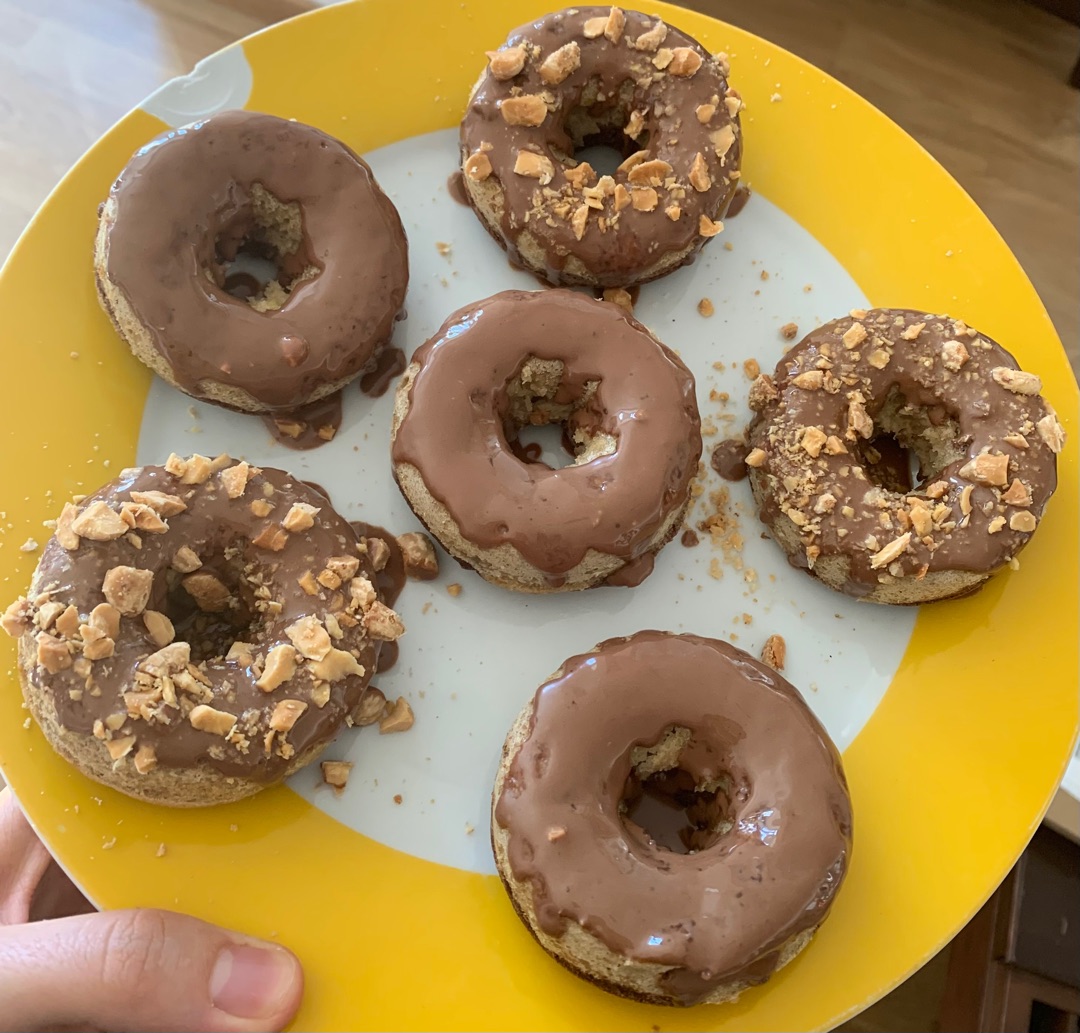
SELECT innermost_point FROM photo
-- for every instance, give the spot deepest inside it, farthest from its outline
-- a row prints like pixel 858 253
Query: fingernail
pixel 253 980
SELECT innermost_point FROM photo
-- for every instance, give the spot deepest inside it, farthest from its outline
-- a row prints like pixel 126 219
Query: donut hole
pixel 595 127
pixel 665 805
pixel 911 445
pixel 551 421
pixel 213 606
pixel 261 252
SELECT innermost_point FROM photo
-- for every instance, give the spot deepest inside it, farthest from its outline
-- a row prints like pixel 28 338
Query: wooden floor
pixel 980 83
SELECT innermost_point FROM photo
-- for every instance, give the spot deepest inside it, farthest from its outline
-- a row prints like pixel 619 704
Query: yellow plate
pixel 949 776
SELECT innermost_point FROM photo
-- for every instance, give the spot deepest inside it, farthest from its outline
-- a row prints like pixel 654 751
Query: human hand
pixel 139 970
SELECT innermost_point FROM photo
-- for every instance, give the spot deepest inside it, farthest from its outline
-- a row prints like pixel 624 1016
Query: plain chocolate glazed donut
pixel 628 408
pixel 715 732
pixel 183 208
pixel 598 75
pixel 198 631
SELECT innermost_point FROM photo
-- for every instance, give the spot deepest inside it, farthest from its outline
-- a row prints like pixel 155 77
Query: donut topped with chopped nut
pixel 602 76
pixel 197 631
pixel 850 412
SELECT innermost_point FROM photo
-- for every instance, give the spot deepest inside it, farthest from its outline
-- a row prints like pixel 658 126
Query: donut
pixel 240 183
pixel 601 76
pixel 198 631
pixel 686 724
pixel 626 404
pixel 829 446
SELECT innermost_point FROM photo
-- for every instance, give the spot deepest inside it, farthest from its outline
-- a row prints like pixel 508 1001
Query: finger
pixel 144 970
pixel 23 861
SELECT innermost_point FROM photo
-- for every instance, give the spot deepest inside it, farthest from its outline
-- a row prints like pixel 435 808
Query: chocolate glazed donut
pixel 597 75
pixel 198 631
pixel 188 202
pixel 829 473
pixel 628 408
pixel 708 729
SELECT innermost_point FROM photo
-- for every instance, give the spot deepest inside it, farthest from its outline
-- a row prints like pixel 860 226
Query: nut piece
pixel 987 469
pixel 560 63
pixel 52 654
pixel 344 567
pixel 309 637
pixel 271 538
pixel 526 110
pixel 336 773
pixel 477 167
pixel 382 623
pixel 400 718
pixel 161 503
pixel 172 658
pixel 700 179
pixel 145 759
pixel 649 173
pixel 119 748
pixel 774 652
pixel 619 296
pixel 1023 521
pixel 705 307
pixel 300 517
pixel 418 554
pixel 18 617
pixel 644 199
pixel 685 62
pixel 535 166
pixel 96 644
pixel 883 557
pixel 279 668
pixel 361 593
pixel 65 533
pixel 1052 433
pixel 128 589
pixel 912 332
pixel 762 392
pixel 859 422
pixel 185 560
pixel 613 26
pixel 705 112
pixel 812 441
pixel 337 664
pixel 159 627
pixel 378 552
pixel 1016 380
pixel 954 355
pixel 370 708
pixel 235 479
pixel 651 39
pixel 1017 495
pixel 855 335
pixel 99 523
pixel 209 593
pixel 207 719
pixel 789 331
pixel 106 618
pixel 756 457
pixel 811 380
pixel 722 139
pixel 286 714
pixel 505 64
pixel 708 228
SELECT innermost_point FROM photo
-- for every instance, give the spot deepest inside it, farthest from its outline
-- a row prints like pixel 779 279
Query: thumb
pixel 143 970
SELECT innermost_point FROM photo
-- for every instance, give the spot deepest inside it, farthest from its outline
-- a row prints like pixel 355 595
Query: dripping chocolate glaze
pixel 718 915
pixel 738 202
pixel 455 187
pixel 644 399
pixel 307 426
pixel 390 581
pixel 729 459
pixel 390 365
pixel 984 413
pixel 672 131
pixel 184 201
pixel 211 525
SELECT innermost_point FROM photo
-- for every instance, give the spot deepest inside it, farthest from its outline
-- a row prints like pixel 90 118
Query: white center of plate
pixel 469 663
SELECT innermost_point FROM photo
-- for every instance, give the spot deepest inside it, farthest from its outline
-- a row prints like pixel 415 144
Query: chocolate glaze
pixel 391 579
pixel 984 414
pixel 220 531
pixel 307 426
pixel 718 915
pixel 631 575
pixel 644 399
pixel 455 187
pixel 183 206
pixel 738 201
pixel 390 364
pixel 689 538
pixel 729 459
pixel 617 247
